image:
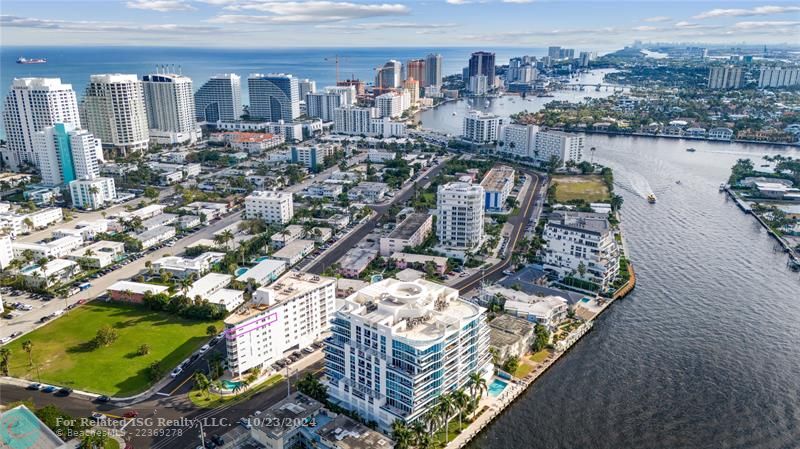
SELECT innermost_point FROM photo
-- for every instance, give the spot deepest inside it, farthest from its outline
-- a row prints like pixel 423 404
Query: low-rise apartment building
pixel 135 292
pixel 368 192
pixel 183 267
pixel 294 251
pixel 58 247
pixel 154 236
pixel 289 234
pixel 52 273
pixel 264 273
pixel 272 207
pixel 99 254
pixel 411 232
pixel 497 185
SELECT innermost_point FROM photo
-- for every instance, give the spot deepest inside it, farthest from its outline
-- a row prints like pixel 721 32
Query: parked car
pixel 131 414
pixel 193 357
pixel 97 416
pixel 16 334
pixel 217 440
pixel 48 389
pixel 34 387
pixel 103 398
pixel 244 422
pixel 204 348
pixel 64 391
pixel 4 340
pixel 176 372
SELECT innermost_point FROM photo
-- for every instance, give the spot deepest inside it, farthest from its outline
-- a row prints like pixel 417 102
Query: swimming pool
pixel 241 271
pixel 230 385
pixel 585 300
pixel 496 387
pixel 262 258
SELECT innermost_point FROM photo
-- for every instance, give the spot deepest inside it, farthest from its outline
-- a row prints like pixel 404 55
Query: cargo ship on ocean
pixel 23 60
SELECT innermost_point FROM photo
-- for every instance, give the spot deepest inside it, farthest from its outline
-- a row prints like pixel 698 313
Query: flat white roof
pixel 208 282
pixel 293 248
pixel 264 268
pixel 136 287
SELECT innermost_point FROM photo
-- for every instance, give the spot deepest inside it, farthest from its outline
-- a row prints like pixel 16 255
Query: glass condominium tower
pixel 396 346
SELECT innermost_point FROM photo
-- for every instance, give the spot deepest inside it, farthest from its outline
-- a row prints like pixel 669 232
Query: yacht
pixel 651 198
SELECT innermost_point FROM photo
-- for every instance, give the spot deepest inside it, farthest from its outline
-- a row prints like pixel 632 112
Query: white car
pixel 4 340
pixel 25 307
pixel 204 348
pixel 176 372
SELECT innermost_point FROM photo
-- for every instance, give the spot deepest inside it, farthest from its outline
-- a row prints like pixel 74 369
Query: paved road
pixel 519 222
pixel 162 430
pixel 349 241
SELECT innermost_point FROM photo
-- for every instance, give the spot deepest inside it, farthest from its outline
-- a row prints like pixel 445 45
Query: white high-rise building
pixel 353 120
pixel 396 347
pixel 389 104
pixel 91 194
pixel 274 97
pixel 220 98
pixel 31 105
pixel 558 144
pixel 114 111
pixel 272 207
pixel 586 58
pixel 6 253
pixel 480 127
pixel 323 104
pixel 433 70
pixel 170 109
pixel 306 86
pixel 779 76
pixel 727 77
pixel 66 153
pixel 292 313
pixel 517 140
pixel 385 127
pixel 478 84
pixel 460 213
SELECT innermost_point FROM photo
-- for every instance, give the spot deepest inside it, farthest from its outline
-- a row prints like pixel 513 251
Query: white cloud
pixel 387 25
pixel 518 1
pixel 458 2
pixel 160 5
pixel 645 28
pixel 765 24
pixel 658 19
pixel 315 11
pixel 737 12
pixel 88 26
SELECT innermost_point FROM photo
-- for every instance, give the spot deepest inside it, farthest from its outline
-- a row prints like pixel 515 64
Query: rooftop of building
pixel 244 137
pixel 269 194
pixel 358 257
pixel 418 258
pixel 460 187
pixel 511 324
pixel 409 274
pixel 154 232
pixel 52 267
pixel 498 178
pixel 21 421
pixel 419 311
pixel 263 268
pixel 287 414
pixel 585 221
pixel 207 283
pixel 187 262
pixel 346 433
pixel 99 247
pixel 409 226
pixel 285 288
pixel 293 247
pixel 136 287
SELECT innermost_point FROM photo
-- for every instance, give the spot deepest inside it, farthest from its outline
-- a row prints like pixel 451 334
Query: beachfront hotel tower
pixel 114 111
pixel 31 105
pixel 274 97
pixel 220 98
pixel 170 108
pixel 396 346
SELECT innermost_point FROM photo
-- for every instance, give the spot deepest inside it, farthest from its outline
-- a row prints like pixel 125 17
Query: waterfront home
pixel 548 311
pixel 720 134
pixel 510 336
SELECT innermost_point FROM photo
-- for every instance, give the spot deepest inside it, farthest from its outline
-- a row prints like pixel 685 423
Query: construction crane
pixel 336 59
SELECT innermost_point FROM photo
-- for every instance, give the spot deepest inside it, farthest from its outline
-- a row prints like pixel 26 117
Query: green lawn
pixel 540 356
pixel 523 370
pixel 588 188
pixel 63 356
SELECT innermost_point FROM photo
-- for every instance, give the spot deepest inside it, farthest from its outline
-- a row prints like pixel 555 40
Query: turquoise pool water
pixel 496 387
pixel 241 271
pixel 230 385
pixel 585 300
pixel 262 258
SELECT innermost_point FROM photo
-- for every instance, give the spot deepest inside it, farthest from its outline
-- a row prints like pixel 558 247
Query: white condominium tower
pixel 395 347
pixel 170 108
pixel 292 313
pixel 460 214
pixel 274 97
pixel 433 70
pixel 114 111
pixel 481 127
pixel 323 104
pixel 550 145
pixel 31 105
pixel 353 120
pixel 272 207
pixel 220 98
pixel 66 153
pixel 388 76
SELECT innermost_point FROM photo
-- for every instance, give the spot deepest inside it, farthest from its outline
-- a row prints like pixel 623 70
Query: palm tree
pixel 477 386
pixel 27 346
pixel 420 432
pixel 202 383
pixel 227 235
pixel 401 434
pixel 5 355
pixel 94 440
pixel 238 387
pixel 460 400
pixel 445 409
pixel 217 385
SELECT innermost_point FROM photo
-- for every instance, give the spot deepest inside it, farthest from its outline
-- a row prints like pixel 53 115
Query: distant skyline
pixel 591 25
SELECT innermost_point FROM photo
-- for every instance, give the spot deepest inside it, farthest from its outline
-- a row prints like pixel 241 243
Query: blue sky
pixel 592 25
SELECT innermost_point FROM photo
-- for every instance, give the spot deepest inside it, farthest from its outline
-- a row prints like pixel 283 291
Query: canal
pixel 705 353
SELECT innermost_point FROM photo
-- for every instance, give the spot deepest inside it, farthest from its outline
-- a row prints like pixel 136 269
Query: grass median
pixel 62 353
pixel 212 400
